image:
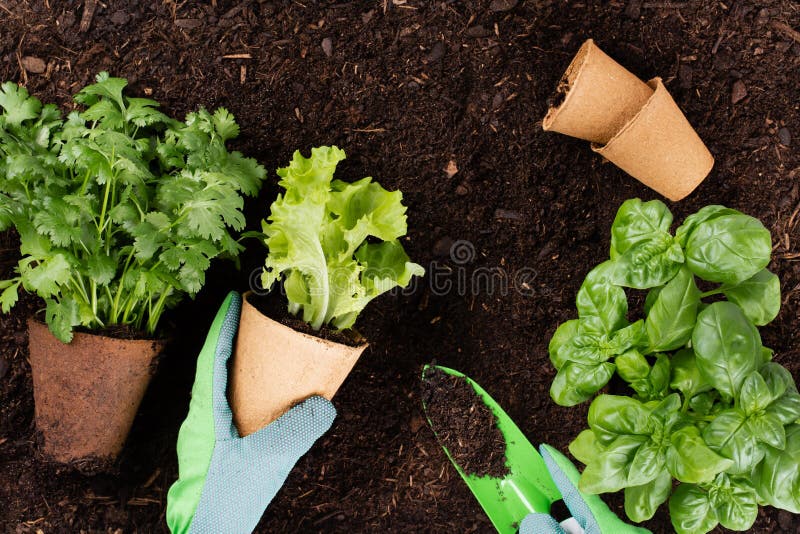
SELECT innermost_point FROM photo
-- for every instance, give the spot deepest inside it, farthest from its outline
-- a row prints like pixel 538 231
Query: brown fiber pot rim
pixel 305 335
pixel 570 77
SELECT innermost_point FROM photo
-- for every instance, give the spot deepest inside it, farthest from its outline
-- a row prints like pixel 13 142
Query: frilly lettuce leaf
pixel 318 232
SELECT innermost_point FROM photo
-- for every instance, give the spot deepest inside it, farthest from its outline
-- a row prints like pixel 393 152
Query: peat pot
pixel 660 148
pixel 275 367
pixel 599 96
pixel 87 392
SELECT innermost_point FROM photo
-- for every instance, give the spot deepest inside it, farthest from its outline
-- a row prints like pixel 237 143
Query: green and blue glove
pixel 226 481
pixel 590 515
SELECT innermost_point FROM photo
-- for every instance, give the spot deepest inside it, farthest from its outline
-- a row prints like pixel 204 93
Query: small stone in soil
pixel 188 24
pixel 34 64
pixel 503 5
pixel 738 91
pixel 442 247
pixel 327 46
pixel 501 213
pixel 120 18
pixel 464 424
pixel 478 31
pixel 785 136
pixel 436 53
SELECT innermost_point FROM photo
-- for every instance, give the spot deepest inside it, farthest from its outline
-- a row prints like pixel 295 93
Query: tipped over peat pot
pixel 596 97
pixel 87 392
pixel 660 148
pixel 275 367
pixel 635 125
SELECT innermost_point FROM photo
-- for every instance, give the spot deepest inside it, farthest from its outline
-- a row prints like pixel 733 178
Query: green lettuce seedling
pixel 119 208
pixel 707 407
pixel 334 244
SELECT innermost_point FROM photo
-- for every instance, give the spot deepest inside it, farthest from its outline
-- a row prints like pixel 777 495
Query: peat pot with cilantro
pixel 119 211
pixel 334 247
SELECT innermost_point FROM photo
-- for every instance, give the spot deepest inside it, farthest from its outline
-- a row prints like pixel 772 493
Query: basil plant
pixel 707 406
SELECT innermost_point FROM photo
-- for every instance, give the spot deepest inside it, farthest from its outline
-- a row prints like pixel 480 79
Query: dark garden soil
pixel 413 90
pixel 273 305
pixel 464 424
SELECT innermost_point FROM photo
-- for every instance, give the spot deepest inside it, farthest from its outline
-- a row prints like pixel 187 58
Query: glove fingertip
pixel 317 408
pixel 540 524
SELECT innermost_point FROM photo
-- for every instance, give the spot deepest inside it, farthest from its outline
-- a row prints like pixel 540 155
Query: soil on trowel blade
pixel 464 424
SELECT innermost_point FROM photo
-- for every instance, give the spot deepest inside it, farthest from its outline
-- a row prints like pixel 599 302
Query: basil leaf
pixel 729 435
pixel 759 297
pixel 641 502
pixel 727 346
pixel 587 349
pixel 686 376
pixel 754 395
pixel 786 409
pixel 705 214
pixel 766 355
pixel 649 263
pixel 637 221
pixel 562 335
pixel 690 510
pixel 631 366
pixel 735 504
pixel 651 298
pixel 671 320
pixel 768 429
pixel 728 249
pixel 777 478
pixel 612 415
pixel 575 382
pixel 627 337
pixel 778 379
pixel 690 460
pixel 647 463
pixel 703 403
pixel 609 471
pixel 602 307
pixel 585 447
pixel 669 405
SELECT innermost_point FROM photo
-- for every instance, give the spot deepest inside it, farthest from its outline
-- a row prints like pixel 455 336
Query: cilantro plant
pixel 119 208
pixel 707 406
pixel 334 244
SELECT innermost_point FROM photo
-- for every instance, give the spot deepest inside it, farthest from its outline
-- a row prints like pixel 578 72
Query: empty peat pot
pixel 275 367
pixel 635 125
pixel 598 97
pixel 87 392
pixel 660 148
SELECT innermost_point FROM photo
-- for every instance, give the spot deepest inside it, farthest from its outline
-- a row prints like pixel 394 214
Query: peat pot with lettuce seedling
pixel 702 403
pixel 119 210
pixel 334 246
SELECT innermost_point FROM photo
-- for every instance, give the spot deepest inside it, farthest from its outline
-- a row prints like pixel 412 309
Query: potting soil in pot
pixel 464 424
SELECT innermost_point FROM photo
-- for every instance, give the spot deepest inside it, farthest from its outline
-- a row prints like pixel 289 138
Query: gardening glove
pixel 225 481
pixel 590 515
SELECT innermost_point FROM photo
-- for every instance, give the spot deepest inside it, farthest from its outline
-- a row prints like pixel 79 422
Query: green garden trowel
pixel 527 488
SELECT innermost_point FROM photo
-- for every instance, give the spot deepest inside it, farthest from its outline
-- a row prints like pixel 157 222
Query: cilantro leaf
pixel 17 104
pixel 120 208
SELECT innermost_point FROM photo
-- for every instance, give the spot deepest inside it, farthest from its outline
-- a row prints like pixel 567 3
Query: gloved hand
pixel 225 481
pixel 590 515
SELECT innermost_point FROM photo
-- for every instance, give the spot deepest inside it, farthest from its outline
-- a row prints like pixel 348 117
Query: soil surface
pixel 273 305
pixel 464 424
pixel 442 100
